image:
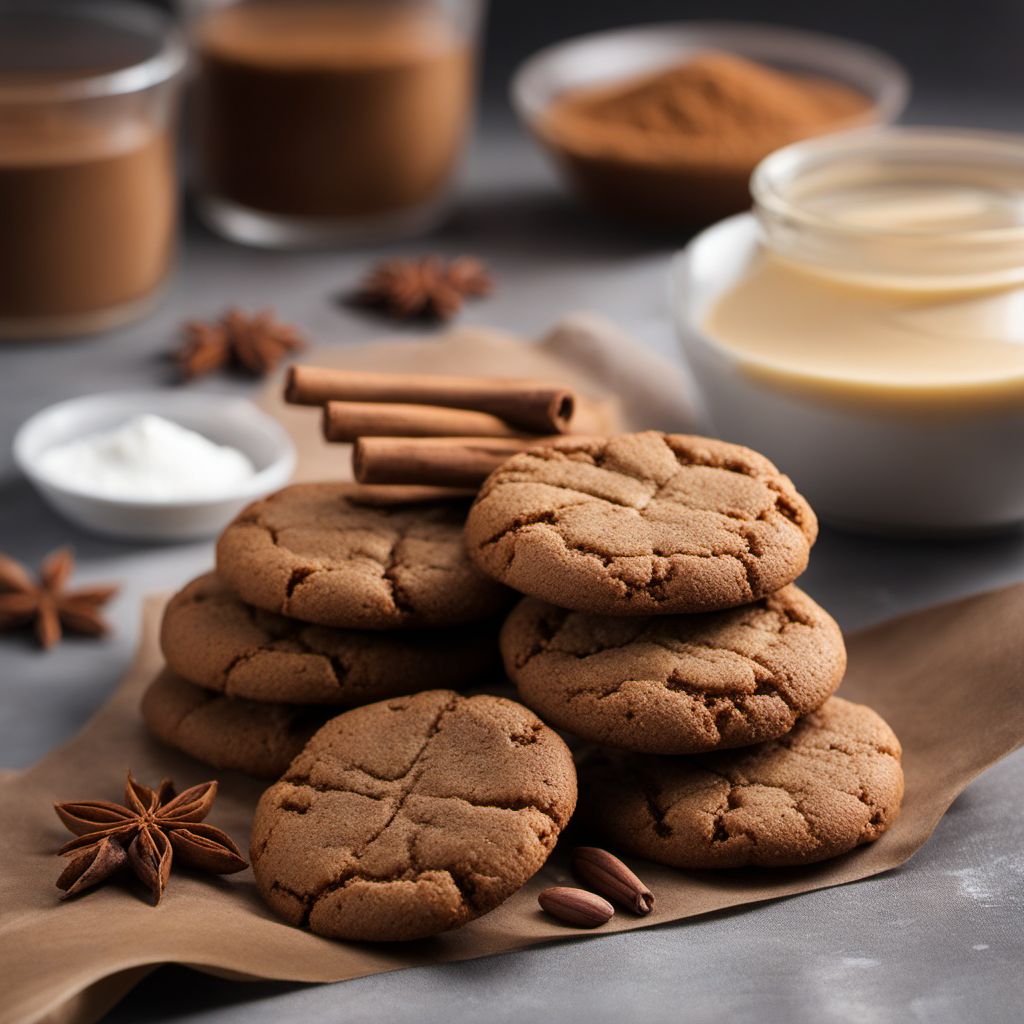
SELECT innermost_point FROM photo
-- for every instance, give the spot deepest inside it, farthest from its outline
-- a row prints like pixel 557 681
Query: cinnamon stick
pixel 530 405
pixel 347 421
pixel 436 461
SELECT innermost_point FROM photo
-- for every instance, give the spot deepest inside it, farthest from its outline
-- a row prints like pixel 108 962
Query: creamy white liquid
pixel 805 326
pixel 148 458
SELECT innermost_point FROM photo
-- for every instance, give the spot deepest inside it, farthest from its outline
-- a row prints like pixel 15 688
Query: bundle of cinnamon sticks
pixel 447 432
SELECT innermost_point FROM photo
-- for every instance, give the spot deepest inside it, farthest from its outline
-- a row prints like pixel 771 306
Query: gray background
pixel 940 940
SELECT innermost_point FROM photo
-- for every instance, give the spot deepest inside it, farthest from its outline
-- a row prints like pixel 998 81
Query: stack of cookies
pixel 318 604
pixel 420 809
pixel 662 625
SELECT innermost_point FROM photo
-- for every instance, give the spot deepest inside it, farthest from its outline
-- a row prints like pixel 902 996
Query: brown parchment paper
pixel 948 680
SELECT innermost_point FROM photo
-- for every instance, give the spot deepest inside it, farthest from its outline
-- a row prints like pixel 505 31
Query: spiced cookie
pixel 310 553
pixel 213 639
pixel 676 684
pixel 828 786
pixel 228 732
pixel 641 524
pixel 412 816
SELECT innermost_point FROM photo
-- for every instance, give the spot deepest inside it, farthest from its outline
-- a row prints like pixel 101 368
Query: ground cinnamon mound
pixel 678 145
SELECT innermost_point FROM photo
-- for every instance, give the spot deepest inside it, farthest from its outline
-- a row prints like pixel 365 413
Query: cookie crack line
pixel 319 562
pixel 553 625
pixel 464 882
pixel 647 589
pixel 548 517
pixel 547 810
pixel 235 663
pixel 769 679
pixel 410 776
pixel 792 793
pixel 782 502
pixel 786 618
pixel 514 806
pixel 710 699
pixel 207 699
pixel 308 901
pixel 721 834
pixel 390 566
pixel 658 814
pixel 292 631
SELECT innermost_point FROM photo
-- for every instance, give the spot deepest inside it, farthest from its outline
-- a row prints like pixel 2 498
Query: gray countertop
pixel 940 940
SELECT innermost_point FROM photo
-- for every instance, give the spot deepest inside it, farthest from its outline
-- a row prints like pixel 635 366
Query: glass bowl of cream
pixel 153 465
pixel 864 326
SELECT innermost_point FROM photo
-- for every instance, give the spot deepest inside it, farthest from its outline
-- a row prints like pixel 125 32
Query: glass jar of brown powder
pixel 324 121
pixel 87 177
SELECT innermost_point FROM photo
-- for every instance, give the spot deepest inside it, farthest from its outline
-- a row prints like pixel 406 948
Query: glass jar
pixel 908 209
pixel 321 121
pixel 88 195
pixel 864 326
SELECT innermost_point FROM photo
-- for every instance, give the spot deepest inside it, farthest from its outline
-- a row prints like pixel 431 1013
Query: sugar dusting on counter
pixel 148 458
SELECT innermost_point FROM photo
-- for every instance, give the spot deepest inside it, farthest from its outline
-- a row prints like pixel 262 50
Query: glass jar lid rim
pixel 771 181
pixel 163 64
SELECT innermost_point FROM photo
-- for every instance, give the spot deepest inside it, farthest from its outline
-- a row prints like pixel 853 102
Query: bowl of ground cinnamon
pixel 662 124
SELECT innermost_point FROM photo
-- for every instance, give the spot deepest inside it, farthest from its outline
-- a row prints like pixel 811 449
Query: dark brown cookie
pixel 828 786
pixel 641 524
pixel 310 553
pixel 228 732
pixel 412 816
pixel 213 639
pixel 676 684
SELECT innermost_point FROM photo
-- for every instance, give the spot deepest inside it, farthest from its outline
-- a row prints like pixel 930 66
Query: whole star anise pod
pixel 254 343
pixel 47 603
pixel 427 287
pixel 145 833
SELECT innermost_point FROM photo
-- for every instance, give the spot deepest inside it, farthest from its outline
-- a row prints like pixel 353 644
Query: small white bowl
pixel 224 420
pixel 861 466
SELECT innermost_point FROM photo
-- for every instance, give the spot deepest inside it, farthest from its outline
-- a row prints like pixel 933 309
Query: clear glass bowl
pixel 88 186
pixel 701 194
pixel 862 206
pixel 323 122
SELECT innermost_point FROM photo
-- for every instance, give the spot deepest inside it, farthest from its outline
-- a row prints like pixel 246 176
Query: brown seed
pixel 576 906
pixel 610 877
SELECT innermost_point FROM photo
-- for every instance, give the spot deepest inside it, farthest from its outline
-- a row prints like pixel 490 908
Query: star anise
pixel 47 603
pixel 145 833
pixel 427 287
pixel 254 343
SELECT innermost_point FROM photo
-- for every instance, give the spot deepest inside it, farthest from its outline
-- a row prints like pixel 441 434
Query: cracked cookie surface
pixel 309 553
pixel 641 524
pixel 228 732
pixel 212 638
pixel 675 684
pixel 828 786
pixel 412 816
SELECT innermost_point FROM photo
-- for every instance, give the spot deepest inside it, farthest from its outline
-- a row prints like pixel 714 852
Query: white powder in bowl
pixel 147 458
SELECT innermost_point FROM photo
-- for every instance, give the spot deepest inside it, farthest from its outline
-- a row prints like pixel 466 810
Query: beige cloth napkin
pixel 947 680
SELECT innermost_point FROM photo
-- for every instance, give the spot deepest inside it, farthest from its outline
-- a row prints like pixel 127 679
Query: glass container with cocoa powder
pixel 321 121
pixel 662 125
pixel 87 173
